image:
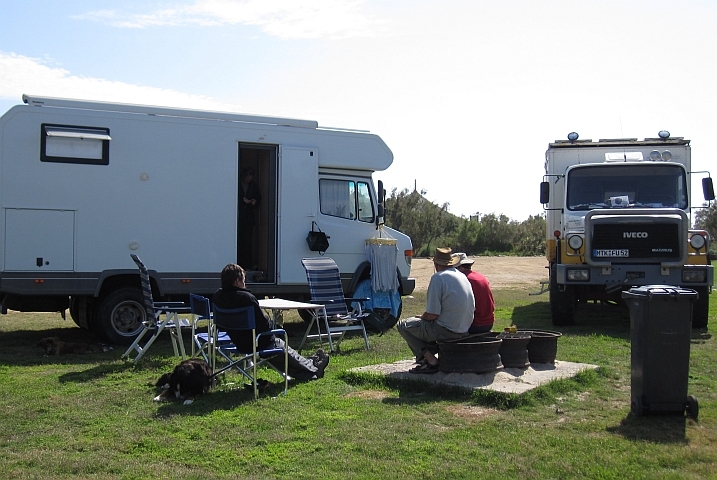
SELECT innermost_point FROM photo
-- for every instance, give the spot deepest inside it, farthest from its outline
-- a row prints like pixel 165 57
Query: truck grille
pixel 636 241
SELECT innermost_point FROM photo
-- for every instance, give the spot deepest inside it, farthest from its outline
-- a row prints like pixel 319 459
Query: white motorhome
pixel 85 184
pixel 617 214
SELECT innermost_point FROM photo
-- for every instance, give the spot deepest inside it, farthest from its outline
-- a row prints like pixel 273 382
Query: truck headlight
pixel 694 275
pixel 575 242
pixel 697 241
pixel 578 275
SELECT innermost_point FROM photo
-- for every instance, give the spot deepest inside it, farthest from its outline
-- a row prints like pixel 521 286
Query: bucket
pixel 543 346
pixel 476 354
pixel 514 350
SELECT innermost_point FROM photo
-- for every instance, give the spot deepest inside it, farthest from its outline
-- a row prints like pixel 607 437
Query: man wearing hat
pixel 483 317
pixel 448 315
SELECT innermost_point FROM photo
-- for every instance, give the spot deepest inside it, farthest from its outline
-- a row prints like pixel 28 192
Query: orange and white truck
pixel 618 216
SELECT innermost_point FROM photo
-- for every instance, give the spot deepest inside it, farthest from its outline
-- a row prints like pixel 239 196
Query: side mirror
pixel 544 192
pixel 708 188
pixel 381 198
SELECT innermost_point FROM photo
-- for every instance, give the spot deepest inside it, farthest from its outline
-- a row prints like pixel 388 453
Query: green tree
pixel 419 218
pixel 530 236
pixel 495 234
pixel 706 219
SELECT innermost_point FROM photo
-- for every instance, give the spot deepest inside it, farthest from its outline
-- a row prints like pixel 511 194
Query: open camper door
pixel 298 207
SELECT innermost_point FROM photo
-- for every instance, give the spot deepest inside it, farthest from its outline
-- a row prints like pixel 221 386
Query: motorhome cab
pixel 85 184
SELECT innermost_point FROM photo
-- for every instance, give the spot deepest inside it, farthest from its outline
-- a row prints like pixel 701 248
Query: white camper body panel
pixel 169 192
pixel 85 184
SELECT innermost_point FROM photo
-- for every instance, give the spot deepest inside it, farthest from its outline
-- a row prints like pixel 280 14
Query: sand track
pixel 502 272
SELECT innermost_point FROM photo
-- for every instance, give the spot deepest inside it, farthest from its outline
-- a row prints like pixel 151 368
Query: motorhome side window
pixel 73 144
pixel 346 199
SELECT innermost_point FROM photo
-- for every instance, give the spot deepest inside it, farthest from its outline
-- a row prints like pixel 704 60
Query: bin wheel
pixel 636 406
pixel 692 407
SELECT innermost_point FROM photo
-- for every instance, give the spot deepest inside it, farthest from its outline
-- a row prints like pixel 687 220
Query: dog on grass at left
pixel 55 346
pixel 190 378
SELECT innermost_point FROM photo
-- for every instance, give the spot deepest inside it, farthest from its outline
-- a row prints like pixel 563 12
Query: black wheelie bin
pixel 660 329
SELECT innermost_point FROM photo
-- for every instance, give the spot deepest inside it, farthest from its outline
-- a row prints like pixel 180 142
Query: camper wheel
pixel 120 315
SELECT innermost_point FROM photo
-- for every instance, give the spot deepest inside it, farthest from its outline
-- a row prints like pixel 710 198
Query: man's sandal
pixel 425 368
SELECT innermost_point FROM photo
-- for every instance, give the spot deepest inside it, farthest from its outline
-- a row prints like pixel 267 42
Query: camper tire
pixel 120 315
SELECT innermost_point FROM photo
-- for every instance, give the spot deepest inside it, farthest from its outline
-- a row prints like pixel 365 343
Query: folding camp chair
pixel 152 321
pixel 205 343
pixel 326 289
pixel 247 362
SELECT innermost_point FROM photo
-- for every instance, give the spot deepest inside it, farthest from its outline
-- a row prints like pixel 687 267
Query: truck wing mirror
pixel 544 192
pixel 708 188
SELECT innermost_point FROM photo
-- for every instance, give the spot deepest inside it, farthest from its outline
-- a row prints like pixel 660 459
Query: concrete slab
pixel 506 380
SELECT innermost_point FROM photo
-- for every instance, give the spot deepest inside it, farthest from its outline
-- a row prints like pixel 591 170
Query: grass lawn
pixel 92 416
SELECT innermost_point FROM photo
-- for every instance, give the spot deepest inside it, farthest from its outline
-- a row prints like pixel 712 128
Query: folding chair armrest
pixel 278 331
pixel 360 300
pixel 321 302
pixel 180 307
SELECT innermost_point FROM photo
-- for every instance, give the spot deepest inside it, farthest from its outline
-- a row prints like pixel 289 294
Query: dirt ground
pixel 502 272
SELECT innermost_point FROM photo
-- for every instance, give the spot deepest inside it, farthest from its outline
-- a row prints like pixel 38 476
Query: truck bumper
pixel 638 275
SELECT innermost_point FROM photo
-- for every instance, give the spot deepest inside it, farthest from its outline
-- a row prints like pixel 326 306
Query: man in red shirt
pixel 483 316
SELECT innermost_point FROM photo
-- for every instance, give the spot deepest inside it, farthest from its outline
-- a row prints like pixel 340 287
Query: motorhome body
pixel 84 184
pixel 618 216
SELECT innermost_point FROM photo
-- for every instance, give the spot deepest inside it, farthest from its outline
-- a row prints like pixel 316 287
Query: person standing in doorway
pixel 249 198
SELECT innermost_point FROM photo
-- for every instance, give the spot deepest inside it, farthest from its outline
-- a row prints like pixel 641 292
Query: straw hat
pixel 443 257
pixel 463 259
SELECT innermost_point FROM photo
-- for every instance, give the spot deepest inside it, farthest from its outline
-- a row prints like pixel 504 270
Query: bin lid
pixel 659 290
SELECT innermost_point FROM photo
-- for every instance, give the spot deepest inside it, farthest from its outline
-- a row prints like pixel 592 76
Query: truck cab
pixel 618 216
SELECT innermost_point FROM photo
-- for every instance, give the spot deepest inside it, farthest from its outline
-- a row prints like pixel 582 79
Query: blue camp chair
pixel 326 289
pixel 247 362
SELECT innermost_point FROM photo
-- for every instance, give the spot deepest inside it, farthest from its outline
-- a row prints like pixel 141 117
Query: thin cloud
pixel 24 75
pixel 279 18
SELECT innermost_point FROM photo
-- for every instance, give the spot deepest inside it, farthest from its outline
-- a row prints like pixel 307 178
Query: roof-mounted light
pixel 655 155
pixel 572 136
pixel 663 134
pixel 667 155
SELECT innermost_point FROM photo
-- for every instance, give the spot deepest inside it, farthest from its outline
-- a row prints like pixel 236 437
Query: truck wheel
pixel 120 315
pixel 701 308
pixel 81 312
pixel 562 302
pixel 75 312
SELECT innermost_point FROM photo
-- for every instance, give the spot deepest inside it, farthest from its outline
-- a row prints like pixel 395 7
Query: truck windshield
pixel 618 186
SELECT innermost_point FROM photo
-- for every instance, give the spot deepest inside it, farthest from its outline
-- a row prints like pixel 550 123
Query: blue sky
pixel 466 93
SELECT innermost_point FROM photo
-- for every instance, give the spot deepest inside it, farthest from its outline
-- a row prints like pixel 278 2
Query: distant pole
pixel 414 185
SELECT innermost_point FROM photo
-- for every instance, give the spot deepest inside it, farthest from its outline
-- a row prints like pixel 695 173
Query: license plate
pixel 611 253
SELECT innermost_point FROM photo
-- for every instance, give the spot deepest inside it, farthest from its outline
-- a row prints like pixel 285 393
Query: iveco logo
pixel 634 234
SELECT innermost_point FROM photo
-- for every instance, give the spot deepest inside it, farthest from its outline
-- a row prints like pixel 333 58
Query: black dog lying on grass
pixel 55 346
pixel 190 378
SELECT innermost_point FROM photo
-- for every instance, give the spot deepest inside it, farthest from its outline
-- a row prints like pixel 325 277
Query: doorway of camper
pixel 256 225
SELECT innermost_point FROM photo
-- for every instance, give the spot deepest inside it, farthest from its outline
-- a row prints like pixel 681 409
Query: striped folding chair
pixel 153 320
pixel 326 289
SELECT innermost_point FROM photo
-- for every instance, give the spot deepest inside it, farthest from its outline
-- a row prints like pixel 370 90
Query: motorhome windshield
pixel 618 186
